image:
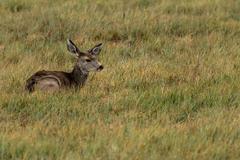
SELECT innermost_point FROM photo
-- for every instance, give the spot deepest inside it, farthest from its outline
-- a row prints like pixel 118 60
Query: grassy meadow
pixel 170 88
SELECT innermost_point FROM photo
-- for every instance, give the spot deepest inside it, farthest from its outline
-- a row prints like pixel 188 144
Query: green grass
pixel 170 88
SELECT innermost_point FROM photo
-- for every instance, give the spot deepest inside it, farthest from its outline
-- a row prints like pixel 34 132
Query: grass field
pixel 170 88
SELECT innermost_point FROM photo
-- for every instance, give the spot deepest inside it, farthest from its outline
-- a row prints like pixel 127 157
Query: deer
pixel 55 80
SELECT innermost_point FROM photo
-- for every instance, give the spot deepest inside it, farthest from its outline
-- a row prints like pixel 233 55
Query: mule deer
pixel 54 80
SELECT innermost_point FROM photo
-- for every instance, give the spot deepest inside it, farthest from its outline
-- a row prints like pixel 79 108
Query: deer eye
pixel 88 60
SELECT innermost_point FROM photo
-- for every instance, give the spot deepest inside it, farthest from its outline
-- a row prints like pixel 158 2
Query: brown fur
pixel 54 80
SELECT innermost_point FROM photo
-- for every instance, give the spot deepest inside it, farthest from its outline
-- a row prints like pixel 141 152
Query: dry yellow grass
pixel 169 90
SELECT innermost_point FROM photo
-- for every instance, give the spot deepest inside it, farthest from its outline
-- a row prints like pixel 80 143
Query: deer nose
pixel 100 68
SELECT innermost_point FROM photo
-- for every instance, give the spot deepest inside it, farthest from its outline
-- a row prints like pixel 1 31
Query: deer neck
pixel 79 76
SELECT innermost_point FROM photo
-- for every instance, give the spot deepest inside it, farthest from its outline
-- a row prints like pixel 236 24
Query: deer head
pixel 86 61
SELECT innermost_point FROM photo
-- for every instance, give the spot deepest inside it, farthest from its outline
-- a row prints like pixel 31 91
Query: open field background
pixel 170 88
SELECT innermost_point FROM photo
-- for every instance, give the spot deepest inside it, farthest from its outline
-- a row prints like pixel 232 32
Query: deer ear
pixel 96 49
pixel 72 47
